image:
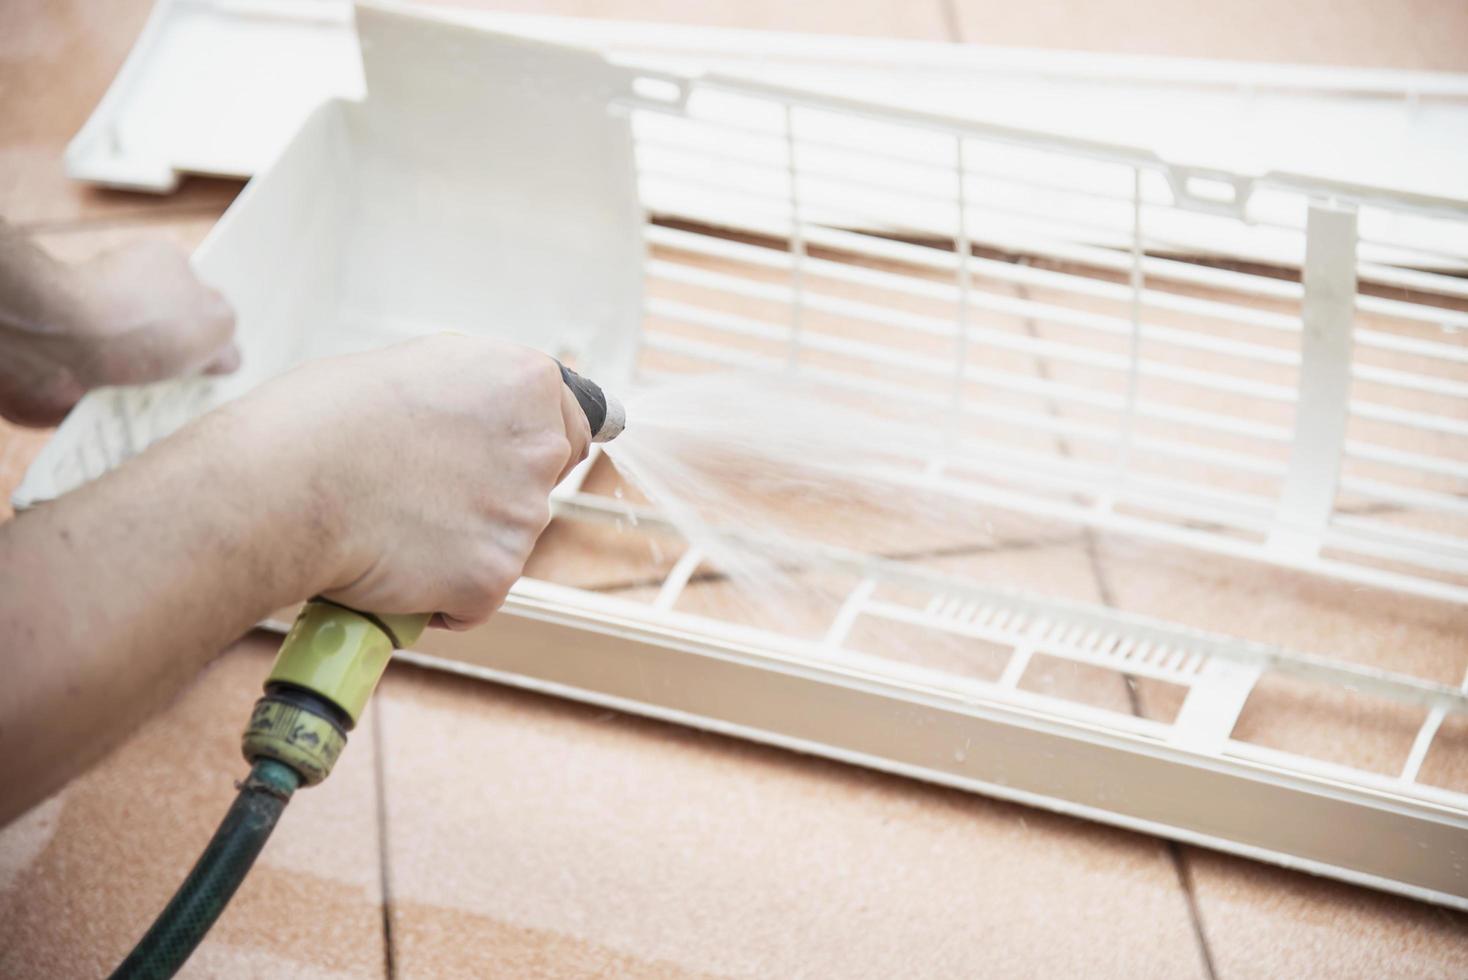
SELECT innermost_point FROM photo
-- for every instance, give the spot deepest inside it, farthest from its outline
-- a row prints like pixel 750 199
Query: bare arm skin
pixel 413 479
pixel 118 593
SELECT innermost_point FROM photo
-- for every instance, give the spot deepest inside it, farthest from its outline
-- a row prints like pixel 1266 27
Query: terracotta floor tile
pixel 36 193
pixel 1417 34
pixel 597 556
pixel 1446 764
pixel 798 605
pixel 591 554
pixel 1329 724
pixel 56 61
pixel 886 18
pixel 530 836
pixel 1306 614
pixel 1262 921
pixel 136 822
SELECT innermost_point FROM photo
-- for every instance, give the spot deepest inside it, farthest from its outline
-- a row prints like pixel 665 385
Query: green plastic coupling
pixel 328 666
pixel 340 653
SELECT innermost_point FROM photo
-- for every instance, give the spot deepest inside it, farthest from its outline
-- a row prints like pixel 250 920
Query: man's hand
pixel 428 466
pixel 129 316
pixel 410 479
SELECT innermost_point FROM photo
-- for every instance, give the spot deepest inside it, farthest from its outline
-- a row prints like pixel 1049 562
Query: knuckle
pixel 537 373
pixel 501 583
pixel 482 577
pixel 531 520
pixel 493 577
pixel 548 454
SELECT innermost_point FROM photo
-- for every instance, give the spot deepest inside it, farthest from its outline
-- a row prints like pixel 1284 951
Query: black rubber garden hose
pixel 215 876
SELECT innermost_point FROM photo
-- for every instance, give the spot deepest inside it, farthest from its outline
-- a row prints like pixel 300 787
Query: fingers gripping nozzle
pixel 331 660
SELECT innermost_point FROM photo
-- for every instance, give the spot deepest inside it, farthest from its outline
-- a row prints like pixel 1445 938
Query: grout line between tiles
pixel 1134 696
pixel 379 782
pixel 1195 915
pixel 1103 585
pixel 1174 849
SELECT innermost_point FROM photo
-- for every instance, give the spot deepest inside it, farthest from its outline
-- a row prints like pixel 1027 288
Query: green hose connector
pixel 215 876
pixel 323 678
pixel 340 653
pixel 324 675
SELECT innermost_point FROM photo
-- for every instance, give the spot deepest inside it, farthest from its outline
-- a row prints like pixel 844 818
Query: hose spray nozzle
pixel 604 413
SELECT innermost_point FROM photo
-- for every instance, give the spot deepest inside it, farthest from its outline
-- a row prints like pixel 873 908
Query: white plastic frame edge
pixel 546 640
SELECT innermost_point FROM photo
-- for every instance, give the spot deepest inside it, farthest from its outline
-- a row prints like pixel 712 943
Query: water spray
pixel 324 675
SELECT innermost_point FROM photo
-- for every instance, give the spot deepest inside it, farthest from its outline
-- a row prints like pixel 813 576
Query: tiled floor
pixel 644 847
pixel 83 874
pixel 474 830
pixel 1417 34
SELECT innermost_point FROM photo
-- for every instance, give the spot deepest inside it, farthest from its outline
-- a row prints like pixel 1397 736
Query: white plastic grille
pixel 1126 344
pixel 1123 339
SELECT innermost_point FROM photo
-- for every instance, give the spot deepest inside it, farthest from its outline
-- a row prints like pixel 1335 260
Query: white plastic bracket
pixel 1210 191
pixel 1208 715
pixel 655 90
pixel 1329 308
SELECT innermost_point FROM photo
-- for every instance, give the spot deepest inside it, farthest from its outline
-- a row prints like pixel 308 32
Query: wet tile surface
pixel 1275 605
pixel 1338 620
pixel 83 874
pixel 529 836
pixel 1262 921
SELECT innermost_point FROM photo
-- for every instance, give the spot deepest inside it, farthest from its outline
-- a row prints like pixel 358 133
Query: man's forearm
pixel 116 594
